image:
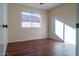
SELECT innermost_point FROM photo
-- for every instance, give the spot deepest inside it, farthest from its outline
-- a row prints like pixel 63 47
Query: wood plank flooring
pixel 41 47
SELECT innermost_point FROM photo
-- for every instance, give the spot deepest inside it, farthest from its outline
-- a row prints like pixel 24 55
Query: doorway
pixel 3 28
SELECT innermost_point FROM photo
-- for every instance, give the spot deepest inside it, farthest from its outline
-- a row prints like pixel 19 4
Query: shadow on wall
pixel 65 32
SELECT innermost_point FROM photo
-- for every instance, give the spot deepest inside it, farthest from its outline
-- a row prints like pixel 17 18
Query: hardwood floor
pixel 42 47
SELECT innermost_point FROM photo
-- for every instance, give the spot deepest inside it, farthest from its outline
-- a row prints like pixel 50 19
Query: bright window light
pixel 65 32
pixel 59 29
pixel 70 35
pixel 30 20
pixel 26 24
pixel 35 24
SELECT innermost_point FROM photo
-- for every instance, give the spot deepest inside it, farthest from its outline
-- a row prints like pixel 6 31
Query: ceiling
pixel 44 6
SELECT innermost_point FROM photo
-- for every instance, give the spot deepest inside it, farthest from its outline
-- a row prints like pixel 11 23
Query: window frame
pixel 31 19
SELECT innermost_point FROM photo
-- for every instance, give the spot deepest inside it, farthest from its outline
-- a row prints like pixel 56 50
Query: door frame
pixel 5 30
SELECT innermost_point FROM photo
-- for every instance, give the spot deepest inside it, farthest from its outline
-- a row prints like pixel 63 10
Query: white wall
pixel 65 13
pixel 16 32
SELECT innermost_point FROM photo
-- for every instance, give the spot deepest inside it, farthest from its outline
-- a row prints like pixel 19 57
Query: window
pixel 30 20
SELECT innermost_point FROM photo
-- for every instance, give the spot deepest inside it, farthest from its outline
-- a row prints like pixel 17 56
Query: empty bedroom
pixel 41 29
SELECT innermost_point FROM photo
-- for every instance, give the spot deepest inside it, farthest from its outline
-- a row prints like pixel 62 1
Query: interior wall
pixel 16 32
pixel 65 13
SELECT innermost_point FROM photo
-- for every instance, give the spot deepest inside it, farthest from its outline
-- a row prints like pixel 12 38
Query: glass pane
pixel 26 19
pixel 30 19
pixel 26 13
pixel 26 16
pixel 36 20
pixel 35 24
pixel 37 15
pixel 26 24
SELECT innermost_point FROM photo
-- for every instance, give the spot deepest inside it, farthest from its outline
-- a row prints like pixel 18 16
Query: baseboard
pixel 56 40
pixel 37 39
pixel 28 40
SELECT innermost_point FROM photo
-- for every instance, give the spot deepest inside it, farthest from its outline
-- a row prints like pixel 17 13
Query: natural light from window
pixel 65 32
pixel 30 20
pixel 70 35
pixel 59 29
